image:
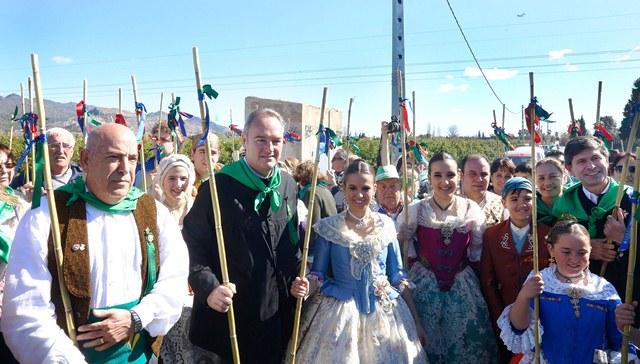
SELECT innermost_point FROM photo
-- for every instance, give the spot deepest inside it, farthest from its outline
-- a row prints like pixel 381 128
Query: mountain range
pixel 63 115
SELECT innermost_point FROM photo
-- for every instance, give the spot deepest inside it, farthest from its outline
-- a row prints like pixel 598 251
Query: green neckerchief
pixel 241 172
pixel 303 191
pixel 570 204
pixel 545 213
pixel 78 190
pixel 6 210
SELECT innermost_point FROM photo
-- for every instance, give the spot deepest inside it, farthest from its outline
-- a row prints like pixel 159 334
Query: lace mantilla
pixel 597 288
pixel 458 216
pixel 363 250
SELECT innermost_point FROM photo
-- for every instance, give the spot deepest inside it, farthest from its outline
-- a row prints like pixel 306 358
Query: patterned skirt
pixel 457 322
pixel 334 331
pixel 177 348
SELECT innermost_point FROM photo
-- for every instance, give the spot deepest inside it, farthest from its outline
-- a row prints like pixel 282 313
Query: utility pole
pixel 397 56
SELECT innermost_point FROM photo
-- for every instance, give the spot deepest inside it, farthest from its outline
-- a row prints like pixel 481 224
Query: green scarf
pixel 570 204
pixel 78 190
pixel 545 213
pixel 242 173
pixel 6 210
pixel 303 191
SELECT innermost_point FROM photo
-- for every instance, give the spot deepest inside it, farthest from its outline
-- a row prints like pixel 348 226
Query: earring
pixel 552 262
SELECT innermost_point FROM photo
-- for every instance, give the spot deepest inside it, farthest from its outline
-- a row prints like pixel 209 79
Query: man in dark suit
pixel 259 223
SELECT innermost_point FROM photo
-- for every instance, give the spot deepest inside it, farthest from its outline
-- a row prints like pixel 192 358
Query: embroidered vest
pixel 75 246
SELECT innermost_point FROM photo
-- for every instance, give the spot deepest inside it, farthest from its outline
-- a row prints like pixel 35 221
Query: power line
pixel 476 59
pixel 358 68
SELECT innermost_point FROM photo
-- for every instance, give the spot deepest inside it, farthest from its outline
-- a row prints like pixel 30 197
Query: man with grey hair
pixel 259 224
pixel 61 145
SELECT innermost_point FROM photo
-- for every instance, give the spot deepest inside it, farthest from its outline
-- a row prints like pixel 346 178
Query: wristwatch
pixel 135 320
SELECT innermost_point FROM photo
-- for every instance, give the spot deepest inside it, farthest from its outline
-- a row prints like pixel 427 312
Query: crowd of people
pixel 446 278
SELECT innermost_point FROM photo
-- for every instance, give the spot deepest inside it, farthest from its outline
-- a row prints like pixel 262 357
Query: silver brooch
pixel 78 247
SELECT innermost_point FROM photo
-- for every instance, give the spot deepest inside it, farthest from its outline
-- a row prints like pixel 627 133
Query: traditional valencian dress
pixel 358 317
pixel 447 294
pixel 577 323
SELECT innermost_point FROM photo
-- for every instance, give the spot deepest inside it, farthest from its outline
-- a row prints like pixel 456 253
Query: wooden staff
pixel 327 141
pixel 33 150
pixel 119 100
pixel 217 215
pixel 143 171
pixel 158 134
pixel 307 238
pixel 349 128
pixel 573 119
pixel 631 267
pixel 415 143
pixel 598 104
pixel 623 177
pixel 175 142
pixel 503 110
pixel 53 215
pixel 405 187
pixel 534 223
pixel 21 112
pixel 495 122
pixel 85 114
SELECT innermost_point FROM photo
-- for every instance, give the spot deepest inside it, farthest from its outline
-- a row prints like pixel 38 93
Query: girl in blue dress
pixel 577 307
pixel 364 310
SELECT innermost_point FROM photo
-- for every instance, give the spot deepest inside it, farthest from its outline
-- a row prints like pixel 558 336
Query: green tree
pixel 625 126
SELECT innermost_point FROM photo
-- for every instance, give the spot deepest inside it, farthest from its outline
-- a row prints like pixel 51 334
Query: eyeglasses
pixel 632 169
pixel 65 146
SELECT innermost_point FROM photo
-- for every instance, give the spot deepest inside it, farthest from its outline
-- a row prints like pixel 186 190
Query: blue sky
pixel 290 49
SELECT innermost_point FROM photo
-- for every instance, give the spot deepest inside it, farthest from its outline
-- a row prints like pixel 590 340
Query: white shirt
pixel 594 197
pixel 29 320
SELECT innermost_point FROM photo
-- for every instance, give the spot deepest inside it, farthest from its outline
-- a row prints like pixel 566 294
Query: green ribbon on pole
pixel 208 91
pixel 37 185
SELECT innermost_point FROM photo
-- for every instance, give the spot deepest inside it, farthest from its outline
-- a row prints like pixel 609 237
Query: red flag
pixel 121 120
pixel 527 115
pixel 80 109
pixel 405 115
pixel 605 132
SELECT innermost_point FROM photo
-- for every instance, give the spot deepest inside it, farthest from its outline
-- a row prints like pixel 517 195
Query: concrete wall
pixel 299 118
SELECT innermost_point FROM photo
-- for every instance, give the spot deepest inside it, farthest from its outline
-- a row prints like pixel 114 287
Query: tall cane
pixel 631 267
pixel 217 215
pixel 143 171
pixel 405 187
pixel 33 150
pixel 55 227
pixel 598 105
pixel 623 177
pixel 155 157
pixel 307 237
pixel 119 100
pixel 85 132
pixel 534 222
pixel 415 143
pixel 349 129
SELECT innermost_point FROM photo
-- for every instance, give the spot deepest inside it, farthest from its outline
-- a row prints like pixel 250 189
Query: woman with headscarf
pixel 173 183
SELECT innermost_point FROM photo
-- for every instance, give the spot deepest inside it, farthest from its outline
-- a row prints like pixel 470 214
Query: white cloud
pixel 449 87
pixel 627 56
pixel 559 54
pixel 450 77
pixel 61 60
pixel 572 67
pixel 492 73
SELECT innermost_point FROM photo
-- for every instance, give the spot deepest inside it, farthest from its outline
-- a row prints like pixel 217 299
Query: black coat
pixel 262 262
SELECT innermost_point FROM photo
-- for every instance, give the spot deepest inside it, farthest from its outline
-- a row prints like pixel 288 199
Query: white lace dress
pixel 358 316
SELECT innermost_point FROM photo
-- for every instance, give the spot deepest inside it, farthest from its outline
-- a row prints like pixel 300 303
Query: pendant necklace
pixel 361 224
